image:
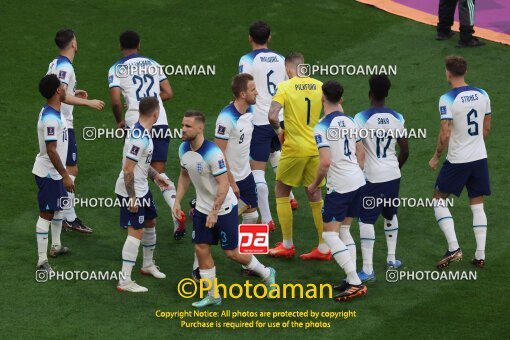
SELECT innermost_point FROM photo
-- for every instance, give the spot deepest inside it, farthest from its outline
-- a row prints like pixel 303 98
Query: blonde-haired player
pixel 300 97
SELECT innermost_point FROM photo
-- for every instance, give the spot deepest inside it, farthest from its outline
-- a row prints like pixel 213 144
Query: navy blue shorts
pixel 225 230
pixel 160 153
pixel 453 177
pixel 72 149
pixel 371 209
pixel 263 141
pixel 52 195
pixel 338 206
pixel 248 190
pixel 146 211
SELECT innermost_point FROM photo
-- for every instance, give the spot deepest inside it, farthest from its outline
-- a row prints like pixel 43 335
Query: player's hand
pixel 96 104
pixel 434 161
pixel 81 94
pixel 212 218
pixel 311 189
pixel 132 205
pixel 121 125
pixel 68 183
pixel 162 182
pixel 176 211
pixel 235 189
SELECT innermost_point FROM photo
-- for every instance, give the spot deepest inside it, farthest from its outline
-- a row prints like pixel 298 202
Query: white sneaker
pixel 153 270
pixel 131 286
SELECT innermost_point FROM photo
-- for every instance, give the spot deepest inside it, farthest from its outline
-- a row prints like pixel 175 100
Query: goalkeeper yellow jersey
pixel 302 106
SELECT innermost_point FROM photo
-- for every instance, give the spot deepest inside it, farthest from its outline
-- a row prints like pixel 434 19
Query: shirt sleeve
pixel 217 162
pixel 113 80
pixel 279 96
pixel 321 136
pixel 50 128
pixel 223 127
pixel 445 109
pixel 359 127
pixel 64 72
pixel 245 66
pixel 135 148
pixel 161 73
pixel 488 107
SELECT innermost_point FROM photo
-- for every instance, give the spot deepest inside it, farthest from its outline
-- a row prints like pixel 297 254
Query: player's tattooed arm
pixel 442 141
pixel 51 149
pixel 221 193
pixel 486 126
pixel 129 177
pixel 152 173
pixel 274 110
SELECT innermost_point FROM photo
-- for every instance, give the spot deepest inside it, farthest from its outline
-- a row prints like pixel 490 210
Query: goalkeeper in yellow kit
pixel 301 100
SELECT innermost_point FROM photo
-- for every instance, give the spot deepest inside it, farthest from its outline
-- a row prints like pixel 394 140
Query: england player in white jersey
pixel 62 67
pixel 382 129
pixel 268 70
pixel 137 211
pixel 339 149
pixel 134 77
pixel 51 176
pixel 215 216
pixel 465 113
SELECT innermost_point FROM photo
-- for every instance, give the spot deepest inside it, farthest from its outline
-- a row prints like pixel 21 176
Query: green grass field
pixel 185 32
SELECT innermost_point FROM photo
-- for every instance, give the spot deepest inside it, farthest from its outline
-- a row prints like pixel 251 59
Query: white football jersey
pixel 381 126
pixel 137 77
pixel 237 128
pixel 268 69
pixel 466 106
pixel 63 68
pixel 344 174
pixel 138 147
pixel 202 166
pixel 50 128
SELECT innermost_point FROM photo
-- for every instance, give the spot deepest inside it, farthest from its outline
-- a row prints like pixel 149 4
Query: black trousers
pixel 466 17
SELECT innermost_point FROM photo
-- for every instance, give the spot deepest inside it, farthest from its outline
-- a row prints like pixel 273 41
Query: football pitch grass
pixel 215 33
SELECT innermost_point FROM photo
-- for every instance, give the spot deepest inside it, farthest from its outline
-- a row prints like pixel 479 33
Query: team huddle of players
pixel 275 117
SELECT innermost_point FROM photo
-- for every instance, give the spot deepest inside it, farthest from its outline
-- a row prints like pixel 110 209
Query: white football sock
pixel 250 217
pixel 195 261
pixel 262 195
pixel 367 236
pixel 346 237
pixel 42 227
pixel 149 244
pixel 56 228
pixel 391 232
pixel 287 243
pixel 258 268
pixel 480 229
pixel 445 221
pixel 69 212
pixel 210 274
pixel 323 248
pixel 129 255
pixel 341 256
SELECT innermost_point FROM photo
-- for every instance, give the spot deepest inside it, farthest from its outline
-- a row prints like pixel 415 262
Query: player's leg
pixel 56 229
pixel 274 157
pixel 370 209
pixel 149 238
pixel 259 154
pixel 229 239
pixel 70 220
pixel 133 222
pixel 450 180
pixel 346 237
pixel 161 142
pixel 50 195
pixel 285 218
pixel 322 252
pixel 391 190
pixel 478 186
pixel 336 207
